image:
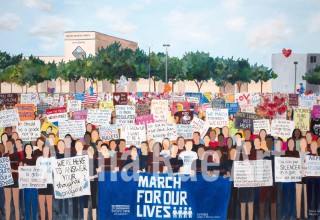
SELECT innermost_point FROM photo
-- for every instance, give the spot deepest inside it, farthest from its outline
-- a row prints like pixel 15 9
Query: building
pixel 285 68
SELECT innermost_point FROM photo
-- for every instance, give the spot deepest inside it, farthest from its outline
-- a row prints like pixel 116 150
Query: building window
pixel 313 59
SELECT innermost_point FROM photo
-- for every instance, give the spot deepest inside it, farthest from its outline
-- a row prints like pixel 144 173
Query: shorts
pixel 46 191
pixel 246 194
pixel 303 181
pixel 15 185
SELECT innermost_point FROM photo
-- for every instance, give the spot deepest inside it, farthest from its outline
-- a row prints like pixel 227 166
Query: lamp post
pixel 295 77
pixel 166 45
pixel 149 70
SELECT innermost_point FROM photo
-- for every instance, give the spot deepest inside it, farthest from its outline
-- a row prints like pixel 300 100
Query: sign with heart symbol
pixel 120 98
pixel 286 52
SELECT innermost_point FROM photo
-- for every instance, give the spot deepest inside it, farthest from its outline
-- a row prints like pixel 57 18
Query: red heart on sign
pixel 286 52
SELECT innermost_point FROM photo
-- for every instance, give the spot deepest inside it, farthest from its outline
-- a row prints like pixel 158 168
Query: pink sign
pixel 316 111
pixel 144 119
pixel 80 115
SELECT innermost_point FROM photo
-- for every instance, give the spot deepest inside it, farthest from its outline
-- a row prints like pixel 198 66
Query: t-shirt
pixel 46 163
pixel 196 146
pixel 188 157
pixel 29 162
pixel 165 153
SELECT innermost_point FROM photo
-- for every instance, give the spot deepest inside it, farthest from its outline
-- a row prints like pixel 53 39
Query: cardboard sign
pixel 301 118
pixel 99 117
pixel 57 117
pixel 9 118
pixel 159 131
pixel 218 103
pixel 76 128
pixel 32 177
pixel 243 98
pixel 80 115
pixel 120 98
pixel 312 164
pixel 142 109
pixel 217 118
pixel 282 128
pixel 245 120
pixel 287 169
pixel 144 119
pixel 172 131
pixel 73 105
pixel 71 177
pixel 307 101
pixel 106 105
pixel 29 98
pixel 159 110
pixel 134 134
pixel 42 108
pixel 233 108
pixel 125 115
pixel 179 106
pixel 247 108
pixel 185 117
pixel 193 97
pixel 48 128
pixel 261 124
pixel 185 130
pixel 108 132
pixel 26 111
pixel 200 126
pixel 316 111
pixel 252 173
pixel 8 99
pixel 29 130
pixel 178 97
pixel 51 111
pixel 293 100
pixel 5 172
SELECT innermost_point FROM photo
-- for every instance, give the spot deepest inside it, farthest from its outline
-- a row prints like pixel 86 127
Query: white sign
pixel 172 131
pixel 76 128
pixel 59 117
pixel 200 126
pixel 134 134
pixel 125 115
pixel 158 131
pixel 159 110
pixel 108 132
pixel 282 128
pixel 9 118
pixel 247 108
pixel 32 177
pixel 261 124
pixel 252 173
pixel 71 177
pixel 73 105
pixel 29 130
pixel 307 101
pixel 287 169
pixel 185 131
pixel 312 165
pixel 217 118
pixel 29 98
pixel 99 117
pixel 5 172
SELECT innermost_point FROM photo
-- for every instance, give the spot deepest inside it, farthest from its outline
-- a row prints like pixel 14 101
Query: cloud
pixel 140 4
pixel 314 24
pixel 232 5
pixel 117 20
pixel 236 23
pixel 9 21
pixel 51 27
pixel 269 33
pixel 38 4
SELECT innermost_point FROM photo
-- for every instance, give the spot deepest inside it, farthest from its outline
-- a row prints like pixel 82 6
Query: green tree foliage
pixel 313 76
pixel 8 63
pixel 262 74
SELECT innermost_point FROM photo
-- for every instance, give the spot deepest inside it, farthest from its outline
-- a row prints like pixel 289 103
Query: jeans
pixel 289 189
pixel 31 199
pixel 313 184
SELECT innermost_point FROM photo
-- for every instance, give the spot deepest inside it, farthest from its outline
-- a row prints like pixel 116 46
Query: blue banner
pixel 154 196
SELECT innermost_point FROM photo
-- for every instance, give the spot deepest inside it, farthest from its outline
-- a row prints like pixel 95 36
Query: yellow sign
pixel 301 117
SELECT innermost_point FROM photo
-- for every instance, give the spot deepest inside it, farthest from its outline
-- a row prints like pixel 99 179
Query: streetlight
pixel 149 70
pixel 295 77
pixel 166 45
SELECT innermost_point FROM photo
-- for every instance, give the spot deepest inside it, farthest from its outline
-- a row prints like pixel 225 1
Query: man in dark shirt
pixel 196 142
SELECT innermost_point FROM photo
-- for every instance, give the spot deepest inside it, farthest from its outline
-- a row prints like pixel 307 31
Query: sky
pixel 250 29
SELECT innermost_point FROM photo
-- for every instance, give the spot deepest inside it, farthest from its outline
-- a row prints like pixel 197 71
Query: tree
pixel 262 74
pixel 223 72
pixel 175 71
pixel 71 71
pixel 313 76
pixel 199 67
pixel 8 61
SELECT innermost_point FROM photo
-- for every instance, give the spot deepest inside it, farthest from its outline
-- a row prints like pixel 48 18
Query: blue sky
pixel 251 29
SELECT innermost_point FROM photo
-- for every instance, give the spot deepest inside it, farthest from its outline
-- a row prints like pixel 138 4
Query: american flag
pixel 90 99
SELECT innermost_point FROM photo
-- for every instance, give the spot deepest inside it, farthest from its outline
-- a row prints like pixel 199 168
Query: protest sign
pixel 144 119
pixel 301 118
pixel 57 117
pixel 29 98
pixel 134 134
pixel 282 128
pixel 312 165
pixel 232 108
pixel 159 110
pixel 244 120
pixel 218 103
pixel 293 100
pixel 5 172
pixel 98 117
pixel 217 118
pixel 243 98
pixel 185 117
pixel 32 177
pixel 125 115
pixel 261 124
pixel 71 177
pixel 29 130
pixel 247 108
pixel 8 99
pixel 287 169
pixel 49 100
pixel 79 96
pixel 73 105
pixel 316 111
pixel 178 97
pixel 106 105
pixel 142 109
pixel 315 126
pixel 108 132
pixel 193 97
pixel 59 110
pixel 307 101
pixel 200 126
pixel 185 130
pixel 42 108
pixel 9 118
pixel 179 106
pixel 252 173
pixel 76 128
pixel 48 128
pixel 171 131
pixel 120 98
pixel 159 131
pixel 25 111
pixel 80 115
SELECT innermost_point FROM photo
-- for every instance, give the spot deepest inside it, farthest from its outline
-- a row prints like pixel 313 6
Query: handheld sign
pixel 5 171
